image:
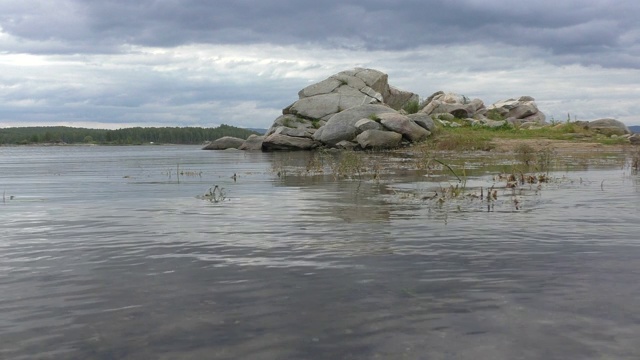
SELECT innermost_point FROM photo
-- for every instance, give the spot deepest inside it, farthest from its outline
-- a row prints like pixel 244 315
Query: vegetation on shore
pixel 126 136
pixel 469 138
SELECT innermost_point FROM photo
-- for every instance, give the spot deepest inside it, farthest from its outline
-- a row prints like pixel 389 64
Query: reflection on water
pixel 108 253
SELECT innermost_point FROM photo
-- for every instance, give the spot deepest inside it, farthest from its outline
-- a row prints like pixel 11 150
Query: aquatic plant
pixel 214 194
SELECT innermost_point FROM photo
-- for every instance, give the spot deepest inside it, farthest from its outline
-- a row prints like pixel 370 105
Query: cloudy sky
pixel 121 63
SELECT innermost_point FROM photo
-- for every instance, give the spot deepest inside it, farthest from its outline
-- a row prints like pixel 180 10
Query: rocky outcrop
pixel 342 126
pixel 226 142
pixel 326 113
pixel 608 127
pixel 358 108
pixel 457 105
pixel 523 109
pixel 444 107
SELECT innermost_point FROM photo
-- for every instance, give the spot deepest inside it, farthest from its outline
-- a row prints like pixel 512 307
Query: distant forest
pixel 126 136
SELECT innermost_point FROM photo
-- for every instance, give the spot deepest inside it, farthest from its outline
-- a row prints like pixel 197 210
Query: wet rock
pixel 226 142
pixel 378 139
pixel 346 145
pixel 275 142
pixel 253 143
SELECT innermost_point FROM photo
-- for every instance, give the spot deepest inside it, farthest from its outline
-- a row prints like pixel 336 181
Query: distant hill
pixel 258 130
pixel 635 128
pixel 125 136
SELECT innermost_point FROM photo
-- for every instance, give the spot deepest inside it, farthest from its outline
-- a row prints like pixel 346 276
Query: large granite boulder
pixel 342 126
pixel 253 143
pixel 367 124
pixel 345 90
pixel 524 109
pixel 403 125
pixel 326 113
pixel 423 120
pixel 226 142
pixel 293 122
pixel 609 127
pixel 277 141
pixel 379 139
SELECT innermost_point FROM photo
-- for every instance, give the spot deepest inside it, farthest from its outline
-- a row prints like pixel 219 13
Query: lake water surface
pixel 105 253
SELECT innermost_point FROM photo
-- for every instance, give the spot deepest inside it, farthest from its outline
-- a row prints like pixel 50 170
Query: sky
pixel 121 63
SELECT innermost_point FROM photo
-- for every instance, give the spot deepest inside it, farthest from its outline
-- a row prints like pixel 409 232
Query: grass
pixel 462 139
pixel 290 123
pixel 467 138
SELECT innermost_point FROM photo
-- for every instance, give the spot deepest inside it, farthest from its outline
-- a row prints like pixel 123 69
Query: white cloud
pixel 248 85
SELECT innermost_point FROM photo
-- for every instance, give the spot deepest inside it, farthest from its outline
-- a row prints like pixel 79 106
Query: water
pixel 106 254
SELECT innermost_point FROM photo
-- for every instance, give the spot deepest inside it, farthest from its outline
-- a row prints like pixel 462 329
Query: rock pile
pixel 335 111
pixel 358 109
pixel 446 106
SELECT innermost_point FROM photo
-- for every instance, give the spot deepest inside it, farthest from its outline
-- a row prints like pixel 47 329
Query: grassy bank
pixel 470 138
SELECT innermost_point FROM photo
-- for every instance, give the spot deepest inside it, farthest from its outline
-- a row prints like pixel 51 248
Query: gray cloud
pixel 562 28
pixel 197 62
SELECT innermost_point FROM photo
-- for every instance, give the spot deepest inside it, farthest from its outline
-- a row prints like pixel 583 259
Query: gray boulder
pixel 306 132
pixel 457 105
pixel 253 143
pixel 324 105
pixel 493 123
pixel 341 126
pixel 423 120
pixel 397 98
pixel 368 124
pixel 226 142
pixel 277 141
pixel 524 108
pixel 346 145
pixel 378 139
pixel 345 90
pixel 293 122
pixel 634 139
pixel 403 125
pixel 609 127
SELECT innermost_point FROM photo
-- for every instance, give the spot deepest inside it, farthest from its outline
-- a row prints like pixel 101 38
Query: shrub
pixel 412 107
pixel 494 114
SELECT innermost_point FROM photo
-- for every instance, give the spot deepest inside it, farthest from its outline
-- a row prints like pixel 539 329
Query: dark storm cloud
pixel 570 31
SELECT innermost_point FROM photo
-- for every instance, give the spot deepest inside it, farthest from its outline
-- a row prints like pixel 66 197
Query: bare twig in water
pixel 450 169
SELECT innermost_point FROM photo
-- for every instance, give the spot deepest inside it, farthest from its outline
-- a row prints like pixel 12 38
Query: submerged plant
pixel 214 194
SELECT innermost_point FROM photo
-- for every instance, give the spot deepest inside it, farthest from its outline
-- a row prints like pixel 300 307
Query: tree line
pixel 126 136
